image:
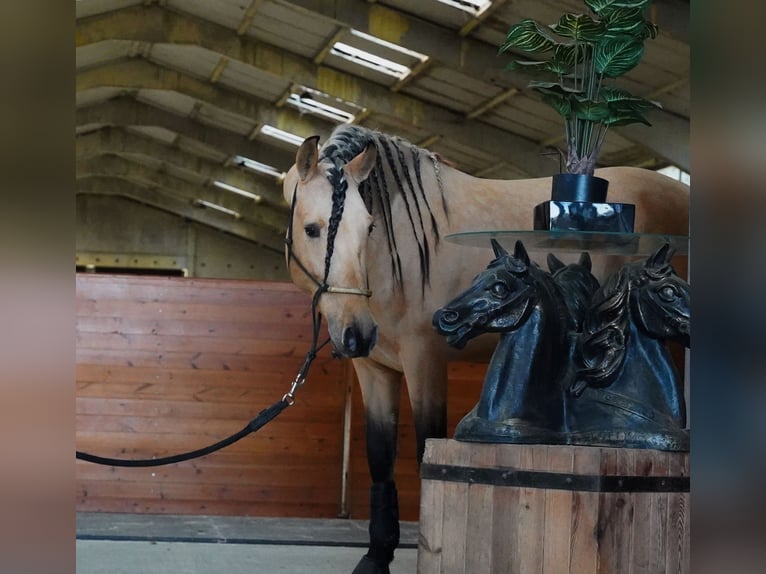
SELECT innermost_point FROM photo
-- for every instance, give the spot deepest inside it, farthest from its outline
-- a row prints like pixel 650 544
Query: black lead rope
pixel 264 417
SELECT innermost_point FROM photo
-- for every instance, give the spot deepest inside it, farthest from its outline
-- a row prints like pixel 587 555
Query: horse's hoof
pixel 368 566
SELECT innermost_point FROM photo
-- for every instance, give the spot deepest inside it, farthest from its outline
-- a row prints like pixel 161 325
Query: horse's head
pixel 327 240
pixel 498 300
pixel 577 285
pixel 660 299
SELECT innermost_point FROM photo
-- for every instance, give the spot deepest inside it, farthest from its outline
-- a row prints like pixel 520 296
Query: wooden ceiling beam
pixel 128 112
pixel 120 141
pixel 110 165
pixel 111 186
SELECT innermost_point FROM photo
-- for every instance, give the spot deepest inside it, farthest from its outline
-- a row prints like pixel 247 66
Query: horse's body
pixel 398 203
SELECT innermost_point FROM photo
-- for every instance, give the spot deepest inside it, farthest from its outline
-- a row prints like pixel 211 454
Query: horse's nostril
pixel 350 340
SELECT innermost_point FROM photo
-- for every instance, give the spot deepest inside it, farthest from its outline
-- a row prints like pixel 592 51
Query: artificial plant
pixel 584 53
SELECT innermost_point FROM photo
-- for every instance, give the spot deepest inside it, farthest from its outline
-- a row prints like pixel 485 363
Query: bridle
pixel 322 286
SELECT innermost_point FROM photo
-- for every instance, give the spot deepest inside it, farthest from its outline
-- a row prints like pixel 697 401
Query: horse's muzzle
pixel 355 343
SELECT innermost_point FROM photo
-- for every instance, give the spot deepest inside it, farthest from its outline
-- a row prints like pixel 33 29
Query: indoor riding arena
pixel 361 352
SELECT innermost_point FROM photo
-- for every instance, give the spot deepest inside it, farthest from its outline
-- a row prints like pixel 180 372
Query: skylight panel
pixel 258 166
pixel 369 60
pixel 244 193
pixel 216 207
pixel 310 101
pixel 282 135
pixel 389 45
pixel 474 7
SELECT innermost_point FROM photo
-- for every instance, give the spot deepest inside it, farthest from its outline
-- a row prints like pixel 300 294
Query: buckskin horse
pixel 369 213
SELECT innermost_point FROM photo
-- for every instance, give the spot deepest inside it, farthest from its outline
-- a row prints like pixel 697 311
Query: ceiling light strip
pixel 215 206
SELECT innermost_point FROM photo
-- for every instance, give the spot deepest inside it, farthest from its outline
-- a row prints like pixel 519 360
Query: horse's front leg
pixel 425 367
pixel 380 393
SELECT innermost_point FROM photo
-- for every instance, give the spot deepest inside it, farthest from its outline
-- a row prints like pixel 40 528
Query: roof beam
pixel 137 74
pixel 157 25
pixel 480 60
pixel 115 166
pixel 158 200
pixel 119 141
pixel 128 112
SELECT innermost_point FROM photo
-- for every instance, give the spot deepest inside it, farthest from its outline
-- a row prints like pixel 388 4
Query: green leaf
pixel 559 103
pixel 650 30
pixel 599 5
pixel 615 56
pixel 552 86
pixel 529 36
pixel 624 21
pixel 579 27
pixel 528 65
pixel 625 117
pixel 566 56
pixel 590 110
pixel 618 98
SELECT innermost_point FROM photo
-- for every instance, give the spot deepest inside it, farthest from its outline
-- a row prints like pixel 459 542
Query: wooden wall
pixel 166 365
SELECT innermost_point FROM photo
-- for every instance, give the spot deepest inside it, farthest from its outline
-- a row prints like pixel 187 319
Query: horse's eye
pixel 499 289
pixel 312 230
pixel 370 228
pixel 667 293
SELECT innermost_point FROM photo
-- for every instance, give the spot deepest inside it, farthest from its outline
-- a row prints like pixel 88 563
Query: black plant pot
pixel 578 203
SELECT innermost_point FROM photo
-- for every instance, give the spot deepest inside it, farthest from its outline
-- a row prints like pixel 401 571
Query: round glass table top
pixel 607 243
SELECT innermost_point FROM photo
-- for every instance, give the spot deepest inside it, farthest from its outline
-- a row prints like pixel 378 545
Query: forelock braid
pixel 336 178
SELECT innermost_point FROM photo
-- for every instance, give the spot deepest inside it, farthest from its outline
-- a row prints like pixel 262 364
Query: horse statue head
pixel 647 295
pixel 577 284
pixel 330 224
pixel 500 298
pixel 626 390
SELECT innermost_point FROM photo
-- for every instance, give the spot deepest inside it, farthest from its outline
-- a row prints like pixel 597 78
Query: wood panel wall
pixel 166 365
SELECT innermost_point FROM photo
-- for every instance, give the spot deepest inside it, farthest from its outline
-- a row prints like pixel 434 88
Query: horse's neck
pixel 649 375
pixel 478 203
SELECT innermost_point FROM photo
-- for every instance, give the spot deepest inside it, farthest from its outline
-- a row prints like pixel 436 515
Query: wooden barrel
pixel 492 508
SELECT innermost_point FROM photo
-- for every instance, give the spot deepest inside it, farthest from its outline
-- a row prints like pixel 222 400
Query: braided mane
pixel 397 172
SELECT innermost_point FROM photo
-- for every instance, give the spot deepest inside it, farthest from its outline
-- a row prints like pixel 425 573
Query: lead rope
pixel 264 417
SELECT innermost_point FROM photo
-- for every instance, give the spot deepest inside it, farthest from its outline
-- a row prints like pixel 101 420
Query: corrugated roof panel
pixel 291 28
pixel 85 8
pixel 202 150
pixel 465 92
pixel 217 117
pixel 94 96
pixel 192 59
pixel 227 13
pixel 168 100
pixel 154 132
pixel 92 55
pixel 252 81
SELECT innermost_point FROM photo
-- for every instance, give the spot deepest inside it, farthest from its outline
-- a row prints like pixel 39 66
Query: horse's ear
pixel 307 157
pixel 520 253
pixel 554 263
pixel 585 260
pixel 497 248
pixel 661 257
pixel 360 167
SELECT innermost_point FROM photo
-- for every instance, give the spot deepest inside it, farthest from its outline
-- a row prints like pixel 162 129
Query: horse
pixel 625 376
pixel 369 213
pixel 538 314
